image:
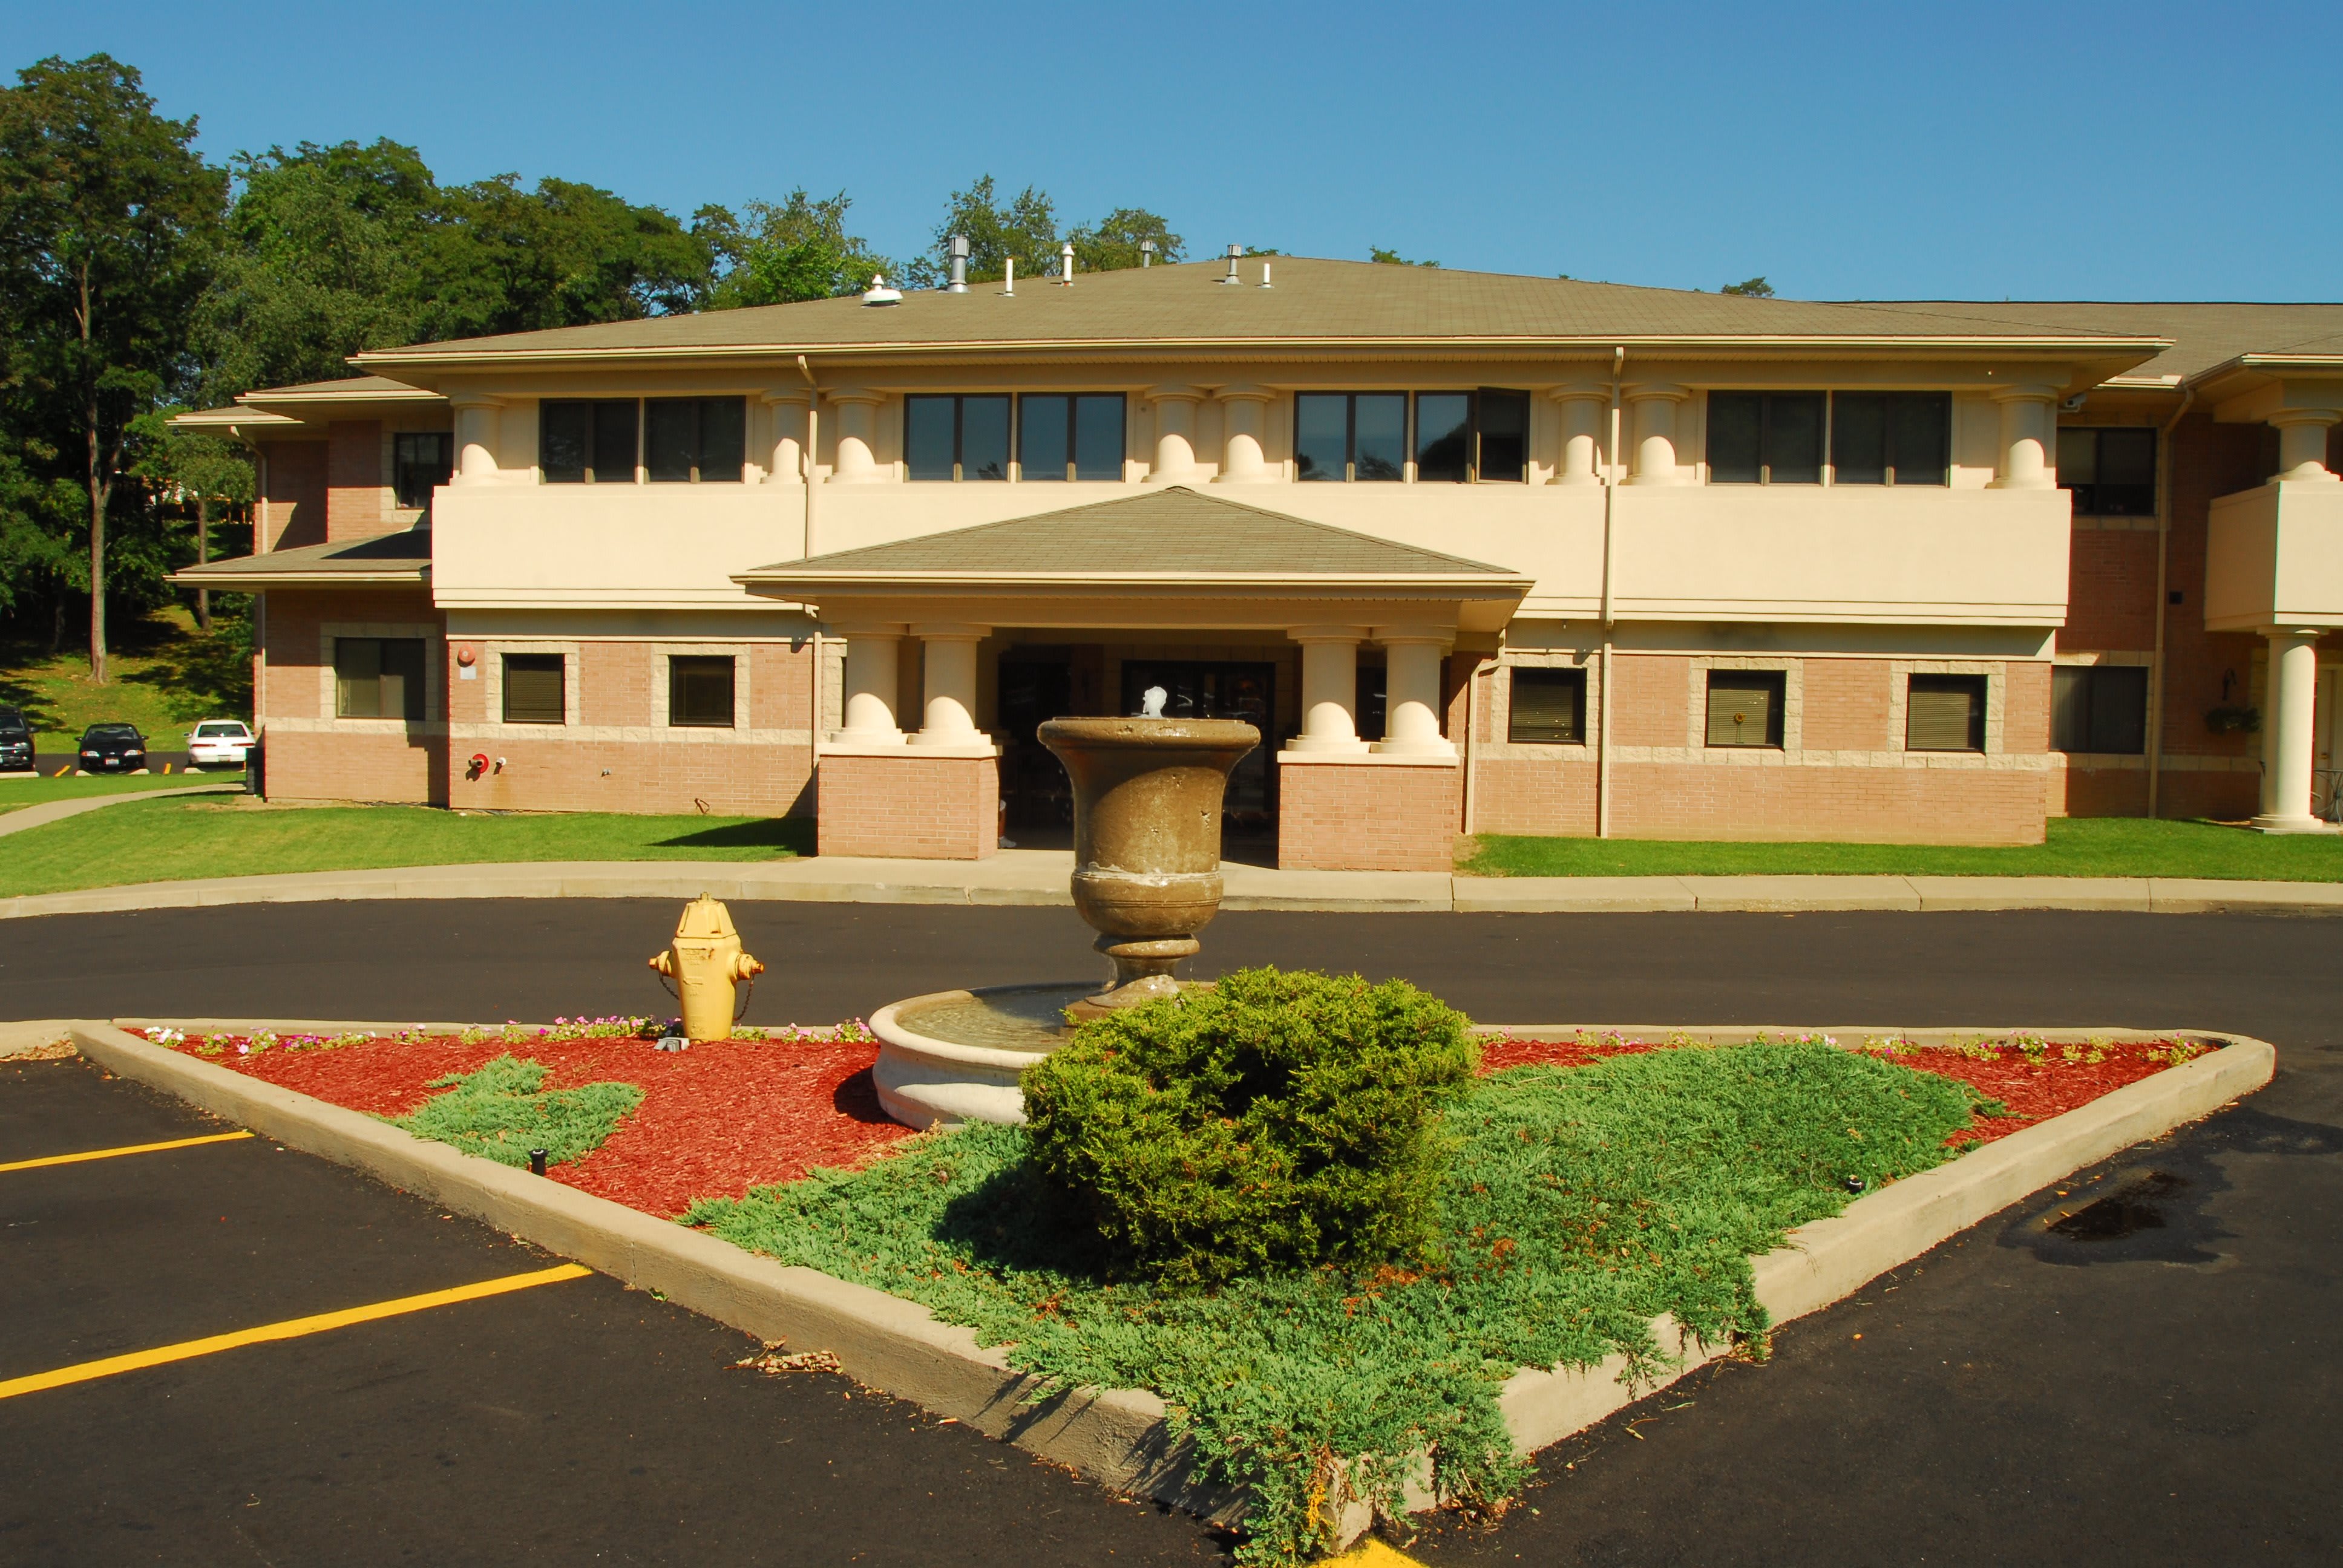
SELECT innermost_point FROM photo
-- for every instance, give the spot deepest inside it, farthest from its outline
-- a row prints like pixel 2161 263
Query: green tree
pixel 797 250
pixel 1026 229
pixel 1394 258
pixel 1750 289
pixel 1113 241
pixel 502 259
pixel 197 470
pixel 108 225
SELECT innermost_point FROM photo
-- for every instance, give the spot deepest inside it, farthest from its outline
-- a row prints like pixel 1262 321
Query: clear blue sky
pixel 2118 151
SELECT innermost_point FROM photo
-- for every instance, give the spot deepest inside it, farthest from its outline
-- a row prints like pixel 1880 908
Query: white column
pixel 2302 443
pixel 1244 414
pixel 1583 408
pixel 872 681
pixel 788 411
pixel 1175 434
pixel 2286 739
pixel 1412 691
pixel 1330 688
pixel 476 429
pixel 1653 410
pixel 2028 427
pixel 947 718
pixel 857 461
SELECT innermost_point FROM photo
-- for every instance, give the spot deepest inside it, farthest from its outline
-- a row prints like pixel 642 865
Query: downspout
pixel 2163 599
pixel 1602 725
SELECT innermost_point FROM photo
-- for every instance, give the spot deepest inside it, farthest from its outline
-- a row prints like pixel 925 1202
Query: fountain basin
pixel 954 1056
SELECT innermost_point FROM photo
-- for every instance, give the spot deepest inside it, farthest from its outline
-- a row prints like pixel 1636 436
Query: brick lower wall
pixel 1548 790
pixel 1853 805
pixel 1367 816
pixel 381 765
pixel 558 774
pixel 909 805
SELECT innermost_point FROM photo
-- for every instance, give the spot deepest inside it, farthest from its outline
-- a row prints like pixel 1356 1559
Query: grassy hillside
pixel 167 676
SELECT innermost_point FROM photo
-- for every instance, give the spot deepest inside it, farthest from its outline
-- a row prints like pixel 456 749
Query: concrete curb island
pixel 1122 1437
pixel 1040 877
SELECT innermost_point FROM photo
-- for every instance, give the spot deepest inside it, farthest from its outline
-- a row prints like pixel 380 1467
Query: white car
pixel 219 742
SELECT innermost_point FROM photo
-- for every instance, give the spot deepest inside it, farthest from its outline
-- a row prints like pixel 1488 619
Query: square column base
pixel 1375 812
pixel 907 804
pixel 2292 824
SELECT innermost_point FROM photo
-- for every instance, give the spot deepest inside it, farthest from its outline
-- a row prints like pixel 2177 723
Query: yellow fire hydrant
pixel 706 963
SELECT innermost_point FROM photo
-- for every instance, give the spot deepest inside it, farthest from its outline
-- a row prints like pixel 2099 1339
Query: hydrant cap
pixel 705 917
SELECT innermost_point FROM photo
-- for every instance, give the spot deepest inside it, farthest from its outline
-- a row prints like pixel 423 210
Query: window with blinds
pixel 378 677
pixel 699 691
pixel 533 689
pixel 2100 708
pixel 1745 707
pixel 1945 713
pixel 1547 706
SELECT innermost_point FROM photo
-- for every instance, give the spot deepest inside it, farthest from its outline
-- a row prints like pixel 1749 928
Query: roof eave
pixel 259 581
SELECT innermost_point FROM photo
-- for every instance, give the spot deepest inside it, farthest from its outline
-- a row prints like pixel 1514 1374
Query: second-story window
pixel 2111 472
pixel 695 440
pixel 583 442
pixel 1350 436
pixel 1766 438
pixel 1463 437
pixel 1070 436
pixel 1891 438
pixel 956 437
pixel 420 462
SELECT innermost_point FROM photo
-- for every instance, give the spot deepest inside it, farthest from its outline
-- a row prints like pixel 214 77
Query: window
pixel 533 689
pixel 1350 436
pixel 1891 438
pixel 1070 436
pixel 956 437
pixel 1548 706
pixel 1766 438
pixel 587 443
pixel 699 691
pixel 378 677
pixel 420 461
pixel 1745 707
pixel 2111 472
pixel 2099 708
pixel 1463 437
pixel 694 440
pixel 1945 713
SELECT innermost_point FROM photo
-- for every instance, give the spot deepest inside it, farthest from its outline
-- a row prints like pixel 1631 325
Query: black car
pixel 15 742
pixel 113 748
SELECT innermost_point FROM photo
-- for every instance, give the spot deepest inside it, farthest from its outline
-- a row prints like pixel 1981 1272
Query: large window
pixel 587 443
pixel 1945 713
pixel 1891 438
pixel 1463 437
pixel 2099 708
pixel 956 437
pixel 695 440
pixel 533 689
pixel 699 691
pixel 1350 436
pixel 1548 706
pixel 1766 438
pixel 1745 707
pixel 378 677
pixel 2111 472
pixel 1070 436
pixel 420 461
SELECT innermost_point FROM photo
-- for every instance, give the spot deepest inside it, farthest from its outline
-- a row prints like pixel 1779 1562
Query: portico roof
pixel 1167 556
pixel 401 559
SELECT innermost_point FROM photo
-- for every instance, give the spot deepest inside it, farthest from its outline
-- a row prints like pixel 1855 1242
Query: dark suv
pixel 112 748
pixel 15 742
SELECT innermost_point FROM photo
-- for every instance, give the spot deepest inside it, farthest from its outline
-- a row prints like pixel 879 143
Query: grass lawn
pixel 2076 847
pixel 166 676
pixel 172 840
pixel 16 792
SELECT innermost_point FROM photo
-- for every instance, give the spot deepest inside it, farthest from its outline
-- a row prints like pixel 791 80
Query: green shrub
pixel 504 1111
pixel 1279 1121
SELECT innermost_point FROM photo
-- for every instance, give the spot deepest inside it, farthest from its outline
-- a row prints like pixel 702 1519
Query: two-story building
pixel 1477 553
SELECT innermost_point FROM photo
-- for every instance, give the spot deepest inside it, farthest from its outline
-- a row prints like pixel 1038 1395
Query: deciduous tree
pixel 775 254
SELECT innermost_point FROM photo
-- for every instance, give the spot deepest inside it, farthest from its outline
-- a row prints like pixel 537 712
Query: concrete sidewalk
pixel 49 811
pixel 1038 877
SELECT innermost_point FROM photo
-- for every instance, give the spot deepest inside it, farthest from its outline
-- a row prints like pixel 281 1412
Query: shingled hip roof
pixel 403 557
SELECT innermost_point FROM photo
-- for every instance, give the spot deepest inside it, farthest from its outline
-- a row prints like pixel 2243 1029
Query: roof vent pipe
pixel 1066 263
pixel 1146 254
pixel 959 247
pixel 1264 275
pixel 1234 251
pixel 1008 275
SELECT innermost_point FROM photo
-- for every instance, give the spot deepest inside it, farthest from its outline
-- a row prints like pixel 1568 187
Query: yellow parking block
pixel 126 1149
pixel 291 1329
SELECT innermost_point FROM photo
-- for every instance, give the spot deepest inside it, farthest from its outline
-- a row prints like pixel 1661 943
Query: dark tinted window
pixel 582 441
pixel 1737 437
pixel 700 440
pixel 1891 438
pixel 378 677
pixel 1041 436
pixel 615 439
pixel 1505 438
pixel 1945 713
pixel 984 437
pixel 1379 435
pixel 1766 438
pixel 1098 436
pixel 1070 437
pixel 930 437
pixel 2112 473
pixel 1745 707
pixel 1443 437
pixel 419 462
pixel 533 689
pixel 1548 706
pixel 699 691
pixel 947 438
pixel 1358 435
pixel 1321 435
pixel 2099 708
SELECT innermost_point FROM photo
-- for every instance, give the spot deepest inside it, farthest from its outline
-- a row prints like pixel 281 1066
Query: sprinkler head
pixel 537 1161
pixel 1854 1183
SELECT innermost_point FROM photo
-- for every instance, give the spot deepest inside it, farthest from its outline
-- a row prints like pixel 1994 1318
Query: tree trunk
pixel 99 487
pixel 202 556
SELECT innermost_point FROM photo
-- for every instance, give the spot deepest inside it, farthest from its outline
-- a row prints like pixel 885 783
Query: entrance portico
pixel 1143 574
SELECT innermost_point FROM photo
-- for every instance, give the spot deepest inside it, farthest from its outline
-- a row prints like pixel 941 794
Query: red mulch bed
pixel 730 1115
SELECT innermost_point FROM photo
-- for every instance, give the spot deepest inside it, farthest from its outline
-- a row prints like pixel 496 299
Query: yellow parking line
pixel 291 1329
pixel 126 1149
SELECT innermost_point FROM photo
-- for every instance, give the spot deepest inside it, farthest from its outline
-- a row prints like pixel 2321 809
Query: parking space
pixel 563 1419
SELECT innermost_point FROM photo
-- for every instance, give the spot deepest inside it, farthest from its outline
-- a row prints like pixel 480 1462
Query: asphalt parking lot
pixel 2166 1395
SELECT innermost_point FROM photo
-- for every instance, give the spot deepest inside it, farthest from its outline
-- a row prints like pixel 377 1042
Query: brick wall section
pixel 1332 817
pixel 1546 791
pixel 366 761
pixel 1857 804
pixel 1845 707
pixel 2111 590
pixel 2208 460
pixel 909 805
pixel 294 498
pixel 354 481
pixel 294 688
pixel 382 765
pixel 1652 693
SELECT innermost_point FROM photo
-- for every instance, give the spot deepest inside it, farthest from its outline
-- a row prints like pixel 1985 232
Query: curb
pixel 1122 1437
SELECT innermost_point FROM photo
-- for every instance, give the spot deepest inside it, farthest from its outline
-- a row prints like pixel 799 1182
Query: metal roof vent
pixel 1146 254
pixel 959 284
pixel 1234 251
pixel 1066 264
pixel 879 293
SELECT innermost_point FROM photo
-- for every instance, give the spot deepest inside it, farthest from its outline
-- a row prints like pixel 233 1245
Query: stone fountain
pixel 1147 879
